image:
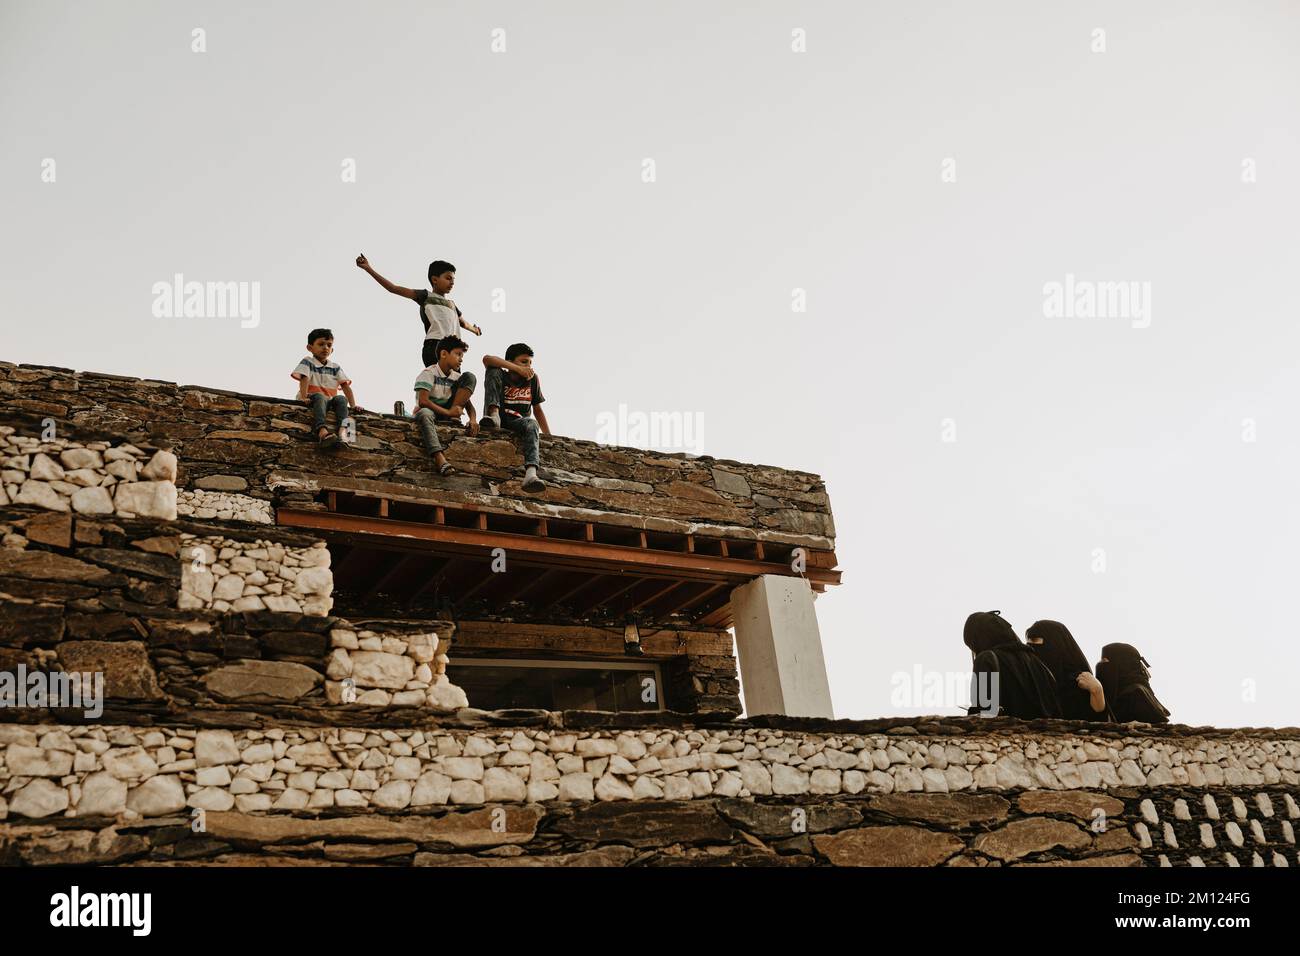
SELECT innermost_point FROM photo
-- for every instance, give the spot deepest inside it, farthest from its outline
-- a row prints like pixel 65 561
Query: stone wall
pixel 743 793
pixel 132 598
pixel 226 574
pixel 225 507
pixel 261 447
pixel 92 477
pixel 391 670
pixel 118 596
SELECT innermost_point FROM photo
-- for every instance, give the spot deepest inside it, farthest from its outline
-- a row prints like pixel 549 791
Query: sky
pixel 828 232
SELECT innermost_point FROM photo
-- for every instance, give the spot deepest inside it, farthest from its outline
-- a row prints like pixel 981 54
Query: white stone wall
pixel 390 670
pixel 222 574
pixel 94 770
pixel 223 506
pixel 93 478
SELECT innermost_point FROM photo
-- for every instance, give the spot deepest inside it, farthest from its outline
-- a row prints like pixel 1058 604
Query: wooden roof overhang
pixel 415 552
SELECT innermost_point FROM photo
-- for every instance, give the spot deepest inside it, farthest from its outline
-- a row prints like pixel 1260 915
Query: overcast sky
pixel 922 171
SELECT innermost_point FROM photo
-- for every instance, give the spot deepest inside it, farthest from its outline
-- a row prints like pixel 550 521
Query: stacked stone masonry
pixel 740 794
pixel 147 604
pixel 248 447
pixel 92 478
pixel 390 670
pixel 226 574
pixel 225 507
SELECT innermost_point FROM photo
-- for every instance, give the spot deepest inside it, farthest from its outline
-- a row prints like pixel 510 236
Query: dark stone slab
pixel 134 562
pixel 24 624
pixel 647 824
pixel 780 821
pixel 943 809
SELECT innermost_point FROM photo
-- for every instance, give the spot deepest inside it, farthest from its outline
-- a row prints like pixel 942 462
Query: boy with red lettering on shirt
pixel 512 393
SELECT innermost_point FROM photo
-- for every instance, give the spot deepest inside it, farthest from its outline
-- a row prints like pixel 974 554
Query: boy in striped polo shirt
pixel 319 383
pixel 442 395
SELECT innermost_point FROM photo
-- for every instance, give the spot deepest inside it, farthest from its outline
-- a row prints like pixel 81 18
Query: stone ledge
pixel 48 770
pixel 793 831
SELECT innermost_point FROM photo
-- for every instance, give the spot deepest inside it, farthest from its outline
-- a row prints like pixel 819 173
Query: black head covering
pixel 986 630
pixel 1025 686
pixel 1125 666
pixel 1127 683
pixel 1061 654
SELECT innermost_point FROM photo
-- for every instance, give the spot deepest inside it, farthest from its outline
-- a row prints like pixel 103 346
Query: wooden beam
pixel 619 588
pixel 708 592
pixel 590 554
pixel 348 563
pixel 565 593
pixel 681 602
pixel 545 574
pixel 433 574
pixel 586 640
pixel 714 618
pixel 654 595
pixel 387 576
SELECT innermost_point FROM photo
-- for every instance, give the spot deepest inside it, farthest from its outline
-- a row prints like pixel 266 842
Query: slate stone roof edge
pixel 384 415
pixel 379 718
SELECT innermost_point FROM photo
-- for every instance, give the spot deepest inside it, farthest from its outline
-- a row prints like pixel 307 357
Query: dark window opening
pixel 496 685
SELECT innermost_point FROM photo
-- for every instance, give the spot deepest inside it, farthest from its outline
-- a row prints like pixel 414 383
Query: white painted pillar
pixel 782 670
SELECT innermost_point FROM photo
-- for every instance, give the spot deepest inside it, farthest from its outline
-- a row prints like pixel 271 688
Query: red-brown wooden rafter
pixel 415 551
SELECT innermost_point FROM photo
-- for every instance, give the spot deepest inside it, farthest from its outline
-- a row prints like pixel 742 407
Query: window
pixel 559 685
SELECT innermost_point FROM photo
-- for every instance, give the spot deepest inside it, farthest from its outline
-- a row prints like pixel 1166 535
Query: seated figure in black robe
pixel 1008 679
pixel 1122 671
pixel 1081 695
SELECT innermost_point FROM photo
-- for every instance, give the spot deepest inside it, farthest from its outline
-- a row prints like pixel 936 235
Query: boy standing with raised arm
pixel 441 317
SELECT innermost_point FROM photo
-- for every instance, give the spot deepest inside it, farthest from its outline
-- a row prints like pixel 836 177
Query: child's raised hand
pixel 362 261
pixel 476 330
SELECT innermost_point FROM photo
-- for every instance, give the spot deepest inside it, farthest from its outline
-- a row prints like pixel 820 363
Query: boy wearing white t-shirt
pixel 442 393
pixel 440 316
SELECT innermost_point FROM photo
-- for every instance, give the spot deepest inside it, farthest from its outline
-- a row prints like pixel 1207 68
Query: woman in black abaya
pixel 1123 672
pixel 1023 687
pixel 1080 693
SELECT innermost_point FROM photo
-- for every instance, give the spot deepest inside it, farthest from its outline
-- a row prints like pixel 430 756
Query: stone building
pixel 341 657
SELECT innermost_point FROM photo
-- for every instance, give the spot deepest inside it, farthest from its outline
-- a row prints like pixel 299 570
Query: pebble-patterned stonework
pixel 223 507
pixel 223 574
pixel 49 769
